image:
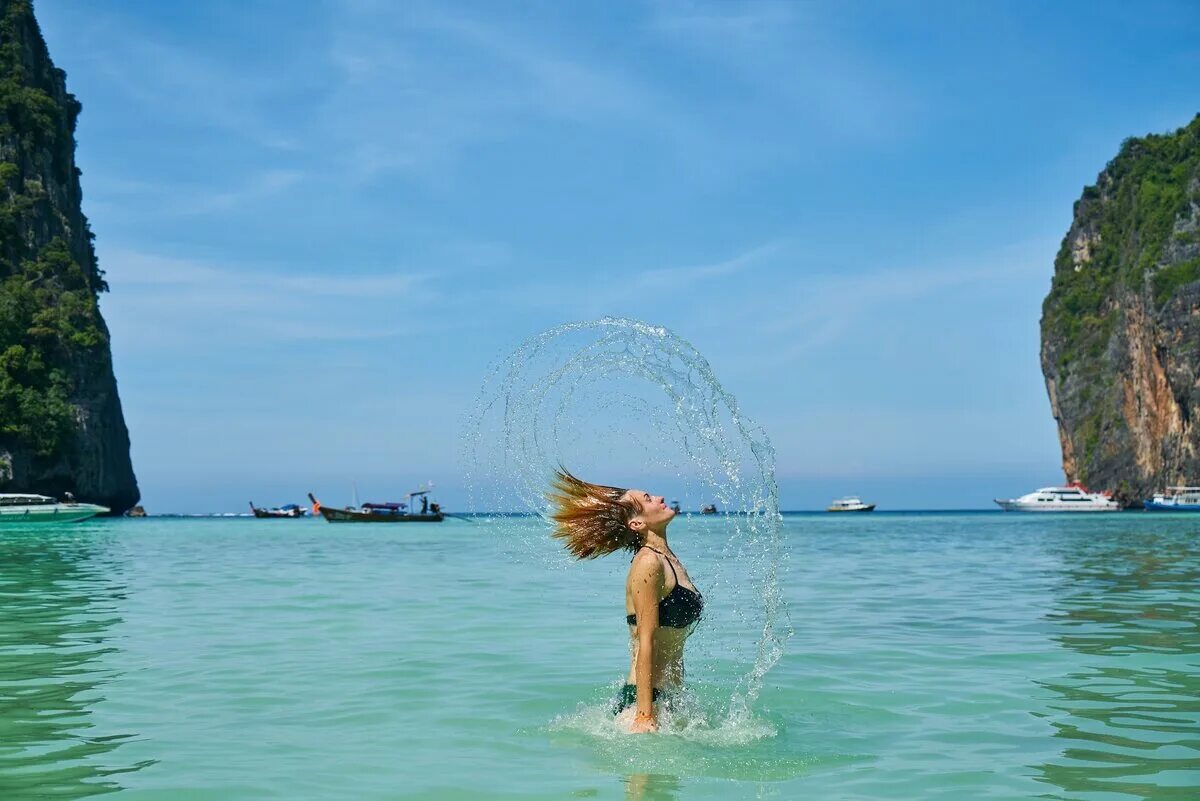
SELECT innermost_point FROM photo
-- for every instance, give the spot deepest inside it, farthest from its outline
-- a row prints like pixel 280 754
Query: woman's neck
pixel 656 540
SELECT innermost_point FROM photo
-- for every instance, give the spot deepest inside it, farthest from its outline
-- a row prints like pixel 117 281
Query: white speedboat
pixel 22 508
pixel 1071 498
pixel 850 504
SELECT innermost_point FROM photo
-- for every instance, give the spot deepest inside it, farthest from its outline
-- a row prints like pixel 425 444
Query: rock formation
pixel 1121 325
pixel 61 425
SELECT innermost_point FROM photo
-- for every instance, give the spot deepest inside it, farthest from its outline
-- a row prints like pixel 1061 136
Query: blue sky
pixel 322 221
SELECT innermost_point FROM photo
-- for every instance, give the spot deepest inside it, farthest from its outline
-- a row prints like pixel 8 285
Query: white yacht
pixel 850 504
pixel 23 508
pixel 1071 498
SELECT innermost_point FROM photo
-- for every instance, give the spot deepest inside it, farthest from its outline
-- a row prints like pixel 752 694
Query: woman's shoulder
pixel 645 561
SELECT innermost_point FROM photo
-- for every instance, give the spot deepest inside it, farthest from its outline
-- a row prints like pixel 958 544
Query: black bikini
pixel 681 608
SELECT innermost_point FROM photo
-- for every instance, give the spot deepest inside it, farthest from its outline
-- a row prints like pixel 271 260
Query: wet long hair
pixel 591 519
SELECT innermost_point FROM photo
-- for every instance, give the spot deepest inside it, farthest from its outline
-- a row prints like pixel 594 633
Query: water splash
pixel 626 403
pixel 687 718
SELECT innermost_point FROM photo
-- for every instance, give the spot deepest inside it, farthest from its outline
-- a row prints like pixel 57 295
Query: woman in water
pixel 662 604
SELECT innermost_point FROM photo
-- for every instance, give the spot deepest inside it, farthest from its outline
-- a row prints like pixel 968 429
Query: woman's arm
pixel 646 577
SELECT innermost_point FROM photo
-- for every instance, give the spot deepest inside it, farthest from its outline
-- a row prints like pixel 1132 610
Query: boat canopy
pixel 13 499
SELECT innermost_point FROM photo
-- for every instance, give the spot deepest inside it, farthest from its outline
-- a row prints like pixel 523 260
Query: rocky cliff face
pixel 61 425
pixel 1121 325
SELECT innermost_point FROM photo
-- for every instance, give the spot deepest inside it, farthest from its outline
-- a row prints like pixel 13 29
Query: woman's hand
pixel 643 724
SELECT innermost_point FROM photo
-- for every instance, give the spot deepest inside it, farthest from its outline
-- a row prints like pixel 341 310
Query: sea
pixel 924 656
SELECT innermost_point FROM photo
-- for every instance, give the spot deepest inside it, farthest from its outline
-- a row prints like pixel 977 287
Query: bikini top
pixel 681 608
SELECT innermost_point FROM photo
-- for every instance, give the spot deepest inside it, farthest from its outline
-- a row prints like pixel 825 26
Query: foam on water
pixel 698 742
pixel 688 717
pixel 626 403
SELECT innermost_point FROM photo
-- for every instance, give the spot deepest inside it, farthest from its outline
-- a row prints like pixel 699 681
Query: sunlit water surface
pixel 935 656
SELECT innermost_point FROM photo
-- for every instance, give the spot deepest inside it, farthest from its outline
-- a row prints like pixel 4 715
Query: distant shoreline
pixel 785 513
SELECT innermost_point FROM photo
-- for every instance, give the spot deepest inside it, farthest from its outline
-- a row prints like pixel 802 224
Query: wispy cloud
pixel 822 310
pixel 263 185
pixel 742 22
pixel 166 300
pixel 418 84
pixel 794 57
pixel 179 81
pixel 687 275
pixel 591 291
pixel 160 200
pixel 412 89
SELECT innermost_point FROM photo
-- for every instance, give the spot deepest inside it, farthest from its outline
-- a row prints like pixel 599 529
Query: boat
pixel 1175 499
pixel 675 507
pixel 851 503
pixel 708 509
pixel 29 508
pixel 288 510
pixel 391 512
pixel 1072 498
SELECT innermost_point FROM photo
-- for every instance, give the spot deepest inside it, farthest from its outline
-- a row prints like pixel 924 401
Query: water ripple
pixel 936 657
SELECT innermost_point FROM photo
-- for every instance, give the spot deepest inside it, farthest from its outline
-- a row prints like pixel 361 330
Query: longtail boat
pixel 290 510
pixel 393 512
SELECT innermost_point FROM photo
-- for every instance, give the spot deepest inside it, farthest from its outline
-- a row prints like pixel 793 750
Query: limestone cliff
pixel 61 425
pixel 1121 325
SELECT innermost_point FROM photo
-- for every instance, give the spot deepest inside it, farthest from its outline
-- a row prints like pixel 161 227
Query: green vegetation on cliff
pixel 1121 324
pixel 49 320
pixel 1124 227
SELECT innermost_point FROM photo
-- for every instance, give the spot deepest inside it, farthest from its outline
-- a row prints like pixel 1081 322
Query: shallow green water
pixel 934 657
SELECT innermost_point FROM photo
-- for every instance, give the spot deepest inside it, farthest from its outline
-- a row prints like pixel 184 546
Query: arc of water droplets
pixel 536 408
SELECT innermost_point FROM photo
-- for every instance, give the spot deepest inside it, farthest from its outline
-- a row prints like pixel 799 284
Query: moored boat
pixel 288 510
pixel 392 512
pixel 1072 498
pixel 851 503
pixel 29 508
pixel 1175 499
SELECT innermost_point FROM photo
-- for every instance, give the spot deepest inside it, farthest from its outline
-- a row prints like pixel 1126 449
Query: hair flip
pixel 591 519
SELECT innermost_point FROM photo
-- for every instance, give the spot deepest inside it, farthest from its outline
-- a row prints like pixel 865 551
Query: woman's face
pixel 655 511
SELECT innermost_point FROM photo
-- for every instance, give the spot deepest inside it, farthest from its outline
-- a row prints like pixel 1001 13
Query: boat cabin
pixel 385 508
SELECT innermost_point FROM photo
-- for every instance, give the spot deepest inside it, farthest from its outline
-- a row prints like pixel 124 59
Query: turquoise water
pixel 936 656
